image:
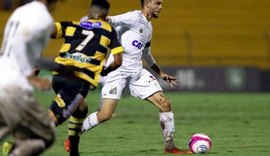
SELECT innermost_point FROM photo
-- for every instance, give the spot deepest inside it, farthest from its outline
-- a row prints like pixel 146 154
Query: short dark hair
pixel 104 4
pixel 51 1
pixel 143 2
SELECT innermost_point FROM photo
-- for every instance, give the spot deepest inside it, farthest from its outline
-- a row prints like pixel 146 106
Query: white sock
pixel 167 124
pixel 90 122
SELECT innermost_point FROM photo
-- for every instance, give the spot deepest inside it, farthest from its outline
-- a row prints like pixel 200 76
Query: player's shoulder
pixel 34 7
pixel 34 13
pixel 133 14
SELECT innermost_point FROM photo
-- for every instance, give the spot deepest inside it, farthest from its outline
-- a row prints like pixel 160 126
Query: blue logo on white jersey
pixel 90 25
pixel 137 44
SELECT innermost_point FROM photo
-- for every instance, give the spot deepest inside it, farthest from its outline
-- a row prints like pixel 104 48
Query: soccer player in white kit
pixel 26 34
pixel 135 33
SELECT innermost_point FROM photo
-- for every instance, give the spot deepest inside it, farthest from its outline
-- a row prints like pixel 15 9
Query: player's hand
pixel 104 72
pixel 45 84
pixel 36 71
pixel 170 79
pixel 42 84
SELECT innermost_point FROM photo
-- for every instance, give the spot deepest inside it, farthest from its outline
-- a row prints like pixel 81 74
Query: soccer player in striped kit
pixel 84 50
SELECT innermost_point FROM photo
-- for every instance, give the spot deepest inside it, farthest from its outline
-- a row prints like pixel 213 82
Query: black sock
pixel 74 145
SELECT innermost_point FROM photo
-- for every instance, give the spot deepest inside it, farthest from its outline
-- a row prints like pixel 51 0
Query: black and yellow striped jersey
pixel 85 47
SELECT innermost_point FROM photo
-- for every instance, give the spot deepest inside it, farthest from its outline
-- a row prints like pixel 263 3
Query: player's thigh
pixel 70 94
pixel 107 109
pixel 42 125
pixel 2 120
pixel 34 120
pixel 144 86
pixel 4 128
pixel 73 84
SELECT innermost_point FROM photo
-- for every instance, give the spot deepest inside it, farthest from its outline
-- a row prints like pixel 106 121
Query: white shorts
pixel 141 84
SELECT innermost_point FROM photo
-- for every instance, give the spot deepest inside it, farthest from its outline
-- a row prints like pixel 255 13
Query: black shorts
pixel 71 85
pixel 67 90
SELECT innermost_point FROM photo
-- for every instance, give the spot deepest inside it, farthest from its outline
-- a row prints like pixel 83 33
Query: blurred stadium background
pixel 210 45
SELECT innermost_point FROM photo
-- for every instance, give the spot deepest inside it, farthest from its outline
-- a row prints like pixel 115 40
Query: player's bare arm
pixel 152 63
pixel 117 63
pixel 166 77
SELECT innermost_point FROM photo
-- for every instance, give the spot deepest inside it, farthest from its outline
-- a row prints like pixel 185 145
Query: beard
pixel 155 14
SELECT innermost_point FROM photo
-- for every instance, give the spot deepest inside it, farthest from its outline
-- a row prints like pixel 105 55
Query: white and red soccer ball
pixel 200 143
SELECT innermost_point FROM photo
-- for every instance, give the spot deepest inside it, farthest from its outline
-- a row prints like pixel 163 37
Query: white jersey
pixel 135 32
pixel 26 34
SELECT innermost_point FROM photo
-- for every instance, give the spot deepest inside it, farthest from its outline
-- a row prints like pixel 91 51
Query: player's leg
pixel 111 93
pixel 166 117
pixel 91 121
pixel 75 110
pixel 112 90
pixel 148 88
pixel 69 104
pixel 75 127
pixel 33 131
pixel 28 147
pixel 70 96
pixel 5 130
pixel 104 114
pixel 63 106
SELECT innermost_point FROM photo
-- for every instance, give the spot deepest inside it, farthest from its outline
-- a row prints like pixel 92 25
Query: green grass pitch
pixel 238 124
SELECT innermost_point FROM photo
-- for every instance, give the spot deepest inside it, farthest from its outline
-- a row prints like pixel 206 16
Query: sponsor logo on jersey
pixel 78 57
pixel 90 25
pixel 137 44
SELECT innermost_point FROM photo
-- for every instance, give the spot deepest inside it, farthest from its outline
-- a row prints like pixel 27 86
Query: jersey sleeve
pixel 125 20
pixel 60 28
pixel 148 44
pixel 115 45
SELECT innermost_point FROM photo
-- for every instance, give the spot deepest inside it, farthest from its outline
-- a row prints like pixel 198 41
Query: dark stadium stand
pixel 195 32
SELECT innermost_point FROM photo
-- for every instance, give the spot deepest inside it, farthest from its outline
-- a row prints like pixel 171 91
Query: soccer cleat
pixel 7 148
pixel 175 150
pixel 67 145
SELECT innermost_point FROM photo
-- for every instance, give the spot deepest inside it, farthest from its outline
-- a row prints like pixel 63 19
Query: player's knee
pixel 80 114
pixel 60 111
pixel 104 116
pixel 55 114
pixel 166 105
pixel 107 117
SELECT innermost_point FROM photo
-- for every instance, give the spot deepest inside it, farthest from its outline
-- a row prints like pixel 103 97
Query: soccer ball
pixel 200 143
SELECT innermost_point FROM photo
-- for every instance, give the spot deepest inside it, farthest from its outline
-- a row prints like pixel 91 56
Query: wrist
pixel 105 71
